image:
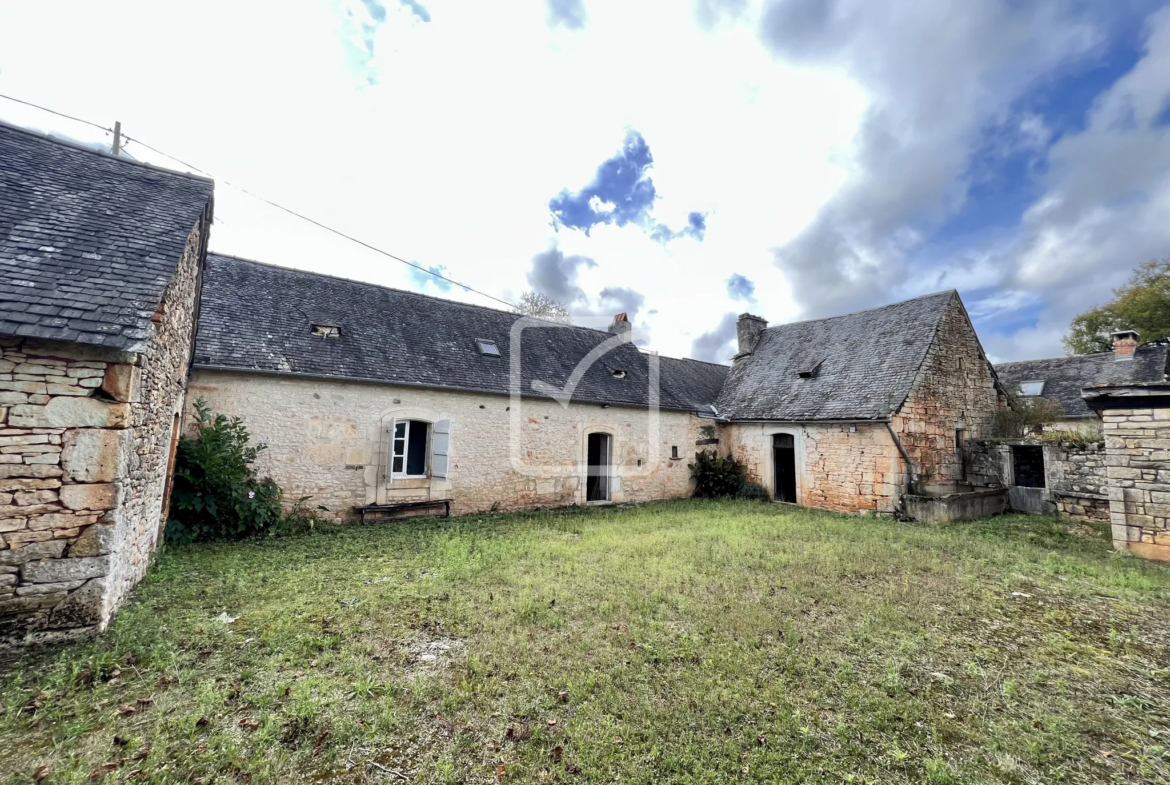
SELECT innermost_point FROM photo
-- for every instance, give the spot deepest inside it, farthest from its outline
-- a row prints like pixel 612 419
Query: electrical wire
pixel 59 114
pixel 294 213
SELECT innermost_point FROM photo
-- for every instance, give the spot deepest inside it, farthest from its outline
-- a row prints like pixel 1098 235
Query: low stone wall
pixel 1075 479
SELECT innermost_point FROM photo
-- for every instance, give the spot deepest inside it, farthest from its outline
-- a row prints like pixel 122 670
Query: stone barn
pixel 100 265
pixel 854 412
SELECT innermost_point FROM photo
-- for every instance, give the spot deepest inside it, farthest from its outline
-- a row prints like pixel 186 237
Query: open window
pixel 418 449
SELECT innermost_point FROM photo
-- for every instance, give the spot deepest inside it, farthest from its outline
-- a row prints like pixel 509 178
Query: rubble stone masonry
pixel 85 434
pixel 327 439
pixel 1137 457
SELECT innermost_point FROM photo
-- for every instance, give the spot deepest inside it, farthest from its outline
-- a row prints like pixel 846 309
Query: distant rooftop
pixel 1063 377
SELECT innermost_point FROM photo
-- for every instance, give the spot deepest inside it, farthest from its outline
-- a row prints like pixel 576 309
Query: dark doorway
pixel 597 474
pixel 784 467
pixel 1028 462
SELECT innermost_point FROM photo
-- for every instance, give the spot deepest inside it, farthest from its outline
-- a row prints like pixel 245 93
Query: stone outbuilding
pixel 854 412
pixel 100 263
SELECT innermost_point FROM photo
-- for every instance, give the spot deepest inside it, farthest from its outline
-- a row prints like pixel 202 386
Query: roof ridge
pixel 867 310
pixel 401 291
pixel 693 360
pixel 76 145
pixel 1107 353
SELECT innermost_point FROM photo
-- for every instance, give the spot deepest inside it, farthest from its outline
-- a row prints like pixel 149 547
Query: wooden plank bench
pixel 374 513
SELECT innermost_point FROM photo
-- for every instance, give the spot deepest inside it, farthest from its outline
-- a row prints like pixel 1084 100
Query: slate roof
pixel 259 317
pixel 88 242
pixel 868 361
pixel 1064 377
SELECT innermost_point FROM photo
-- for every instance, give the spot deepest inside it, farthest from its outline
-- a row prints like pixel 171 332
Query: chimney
pixel 621 326
pixel 748 330
pixel 1125 343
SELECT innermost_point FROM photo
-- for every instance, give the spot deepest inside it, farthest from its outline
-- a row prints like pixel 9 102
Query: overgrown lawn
pixel 690 642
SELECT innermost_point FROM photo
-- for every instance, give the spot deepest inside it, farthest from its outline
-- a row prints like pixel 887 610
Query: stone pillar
pixel 1136 422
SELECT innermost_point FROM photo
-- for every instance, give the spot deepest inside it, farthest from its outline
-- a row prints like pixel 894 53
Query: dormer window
pixel 487 348
pixel 619 374
pixel 810 371
pixel 326 331
pixel 1031 389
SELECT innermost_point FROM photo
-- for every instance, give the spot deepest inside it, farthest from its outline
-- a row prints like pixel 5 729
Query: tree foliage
pixel 1025 416
pixel 543 307
pixel 1143 304
pixel 217 494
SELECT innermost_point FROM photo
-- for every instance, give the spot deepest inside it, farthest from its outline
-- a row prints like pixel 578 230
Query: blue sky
pixel 680 161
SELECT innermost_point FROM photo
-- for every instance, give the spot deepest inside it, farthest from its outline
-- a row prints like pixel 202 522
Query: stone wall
pixel 1075 481
pixel 80 480
pixel 1137 460
pixel 849 468
pixel 328 439
pixel 954 392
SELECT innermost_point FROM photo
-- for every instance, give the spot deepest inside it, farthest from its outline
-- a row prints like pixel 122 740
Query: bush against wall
pixel 717 477
pixel 217 494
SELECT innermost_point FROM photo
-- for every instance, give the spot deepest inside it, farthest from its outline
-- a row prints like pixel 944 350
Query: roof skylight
pixel 1031 389
pixel 487 348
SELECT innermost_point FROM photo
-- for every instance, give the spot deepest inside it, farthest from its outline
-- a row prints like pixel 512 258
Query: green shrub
pixel 754 491
pixel 1025 416
pixel 216 493
pixel 717 477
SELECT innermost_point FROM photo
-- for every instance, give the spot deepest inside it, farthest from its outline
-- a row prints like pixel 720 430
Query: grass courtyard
pixel 690 642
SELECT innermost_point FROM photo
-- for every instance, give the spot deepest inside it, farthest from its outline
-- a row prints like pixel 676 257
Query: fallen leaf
pixel 564 696
pixel 745 768
pixel 41 773
pixel 500 770
pixel 320 740
pixel 556 754
pixel 127 710
pixel 1106 754
pixel 223 618
pixel 552 721
pixel 143 753
pixel 617 739
pixel 136 774
pixel 120 742
pixel 761 740
pixel 164 679
pixel 201 722
pixel 145 701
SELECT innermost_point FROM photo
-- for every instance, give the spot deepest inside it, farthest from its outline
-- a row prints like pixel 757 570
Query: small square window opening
pixel 1031 389
pixel 326 331
pixel 487 348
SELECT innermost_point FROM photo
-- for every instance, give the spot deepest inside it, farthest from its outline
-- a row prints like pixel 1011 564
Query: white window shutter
pixel 441 449
pixel 390 449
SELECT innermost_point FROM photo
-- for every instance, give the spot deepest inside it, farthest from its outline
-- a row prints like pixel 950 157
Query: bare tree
pixel 543 307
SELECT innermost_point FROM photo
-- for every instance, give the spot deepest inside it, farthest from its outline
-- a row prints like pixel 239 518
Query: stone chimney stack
pixel 1125 343
pixel 748 330
pixel 621 326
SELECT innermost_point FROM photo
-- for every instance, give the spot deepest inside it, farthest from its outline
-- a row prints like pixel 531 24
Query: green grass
pixel 692 642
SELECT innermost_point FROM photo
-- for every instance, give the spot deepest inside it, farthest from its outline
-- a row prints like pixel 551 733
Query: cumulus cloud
pixel 710 12
pixel 717 345
pixel 555 274
pixel 621 193
pixel 939 76
pixel 740 288
pixel 415 8
pixel 420 279
pixel 566 13
pixel 619 299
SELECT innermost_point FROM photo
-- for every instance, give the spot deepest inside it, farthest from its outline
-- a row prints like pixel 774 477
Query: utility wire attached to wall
pixel 122 140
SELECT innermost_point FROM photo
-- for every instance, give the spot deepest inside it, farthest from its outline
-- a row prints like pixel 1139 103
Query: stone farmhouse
pixel 100 261
pixel 375 402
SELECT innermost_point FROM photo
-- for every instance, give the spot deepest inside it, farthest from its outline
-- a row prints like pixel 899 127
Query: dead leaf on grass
pixel 41 773
pixel 120 742
pixel 126 710
pixel 201 722
pixel 500 771
pixel 556 754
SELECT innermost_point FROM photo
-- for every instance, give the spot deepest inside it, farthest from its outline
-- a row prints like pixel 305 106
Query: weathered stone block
pixel 66 389
pixel 35 497
pixel 69 412
pixel 33 589
pixel 32 552
pixel 26 604
pixel 43 459
pixel 59 521
pixel 27 483
pixel 82 607
pixel 92 454
pixel 13 524
pixel 16 539
pixel 64 570
pixel 122 382
pixel 102 496
pixel 24 470
pixel 95 540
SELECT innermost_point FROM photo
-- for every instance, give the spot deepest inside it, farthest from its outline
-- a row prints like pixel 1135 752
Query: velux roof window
pixel 326 331
pixel 1031 389
pixel 487 348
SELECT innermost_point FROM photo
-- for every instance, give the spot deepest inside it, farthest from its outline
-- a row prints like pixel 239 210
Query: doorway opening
pixel 597 468
pixel 1028 463
pixel 784 467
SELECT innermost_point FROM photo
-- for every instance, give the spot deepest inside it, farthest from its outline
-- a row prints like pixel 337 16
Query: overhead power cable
pixel 294 213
